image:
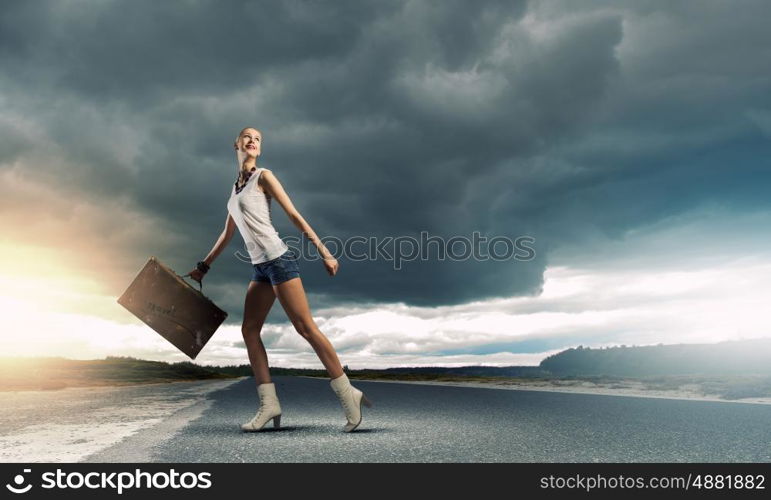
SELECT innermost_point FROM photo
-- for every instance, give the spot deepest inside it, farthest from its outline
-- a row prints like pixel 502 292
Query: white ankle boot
pixel 269 408
pixel 351 399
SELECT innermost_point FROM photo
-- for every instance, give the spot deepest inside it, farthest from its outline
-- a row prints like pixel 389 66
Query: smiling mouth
pixel 250 147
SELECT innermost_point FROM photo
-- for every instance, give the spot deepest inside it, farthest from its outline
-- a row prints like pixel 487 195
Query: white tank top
pixel 250 209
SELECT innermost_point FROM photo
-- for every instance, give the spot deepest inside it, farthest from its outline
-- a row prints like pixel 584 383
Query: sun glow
pixel 48 308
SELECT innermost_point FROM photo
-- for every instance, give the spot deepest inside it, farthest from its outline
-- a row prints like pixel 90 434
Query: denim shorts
pixel 278 270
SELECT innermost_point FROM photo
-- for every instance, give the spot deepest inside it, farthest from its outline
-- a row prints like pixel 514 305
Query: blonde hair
pixel 235 143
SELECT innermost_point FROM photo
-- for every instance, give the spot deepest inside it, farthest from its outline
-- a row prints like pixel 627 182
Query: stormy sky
pixel 628 139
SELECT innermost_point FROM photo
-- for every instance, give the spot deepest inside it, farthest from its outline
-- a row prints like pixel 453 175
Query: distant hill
pixel 735 358
pixel 47 373
pixel 742 357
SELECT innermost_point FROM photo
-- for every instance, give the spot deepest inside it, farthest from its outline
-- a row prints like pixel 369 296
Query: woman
pixel 275 273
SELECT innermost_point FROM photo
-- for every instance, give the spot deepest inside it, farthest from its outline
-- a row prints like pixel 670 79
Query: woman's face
pixel 249 142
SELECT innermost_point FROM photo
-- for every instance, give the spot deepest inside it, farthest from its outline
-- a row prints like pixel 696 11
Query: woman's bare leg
pixel 259 300
pixel 291 295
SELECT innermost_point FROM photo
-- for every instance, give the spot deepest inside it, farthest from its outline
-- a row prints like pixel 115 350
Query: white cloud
pixel 594 304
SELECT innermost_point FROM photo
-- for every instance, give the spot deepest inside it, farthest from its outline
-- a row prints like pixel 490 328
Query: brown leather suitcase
pixel 172 307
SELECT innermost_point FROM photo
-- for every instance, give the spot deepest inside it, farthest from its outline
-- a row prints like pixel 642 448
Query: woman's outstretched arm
pixel 222 241
pixel 270 184
pixel 219 246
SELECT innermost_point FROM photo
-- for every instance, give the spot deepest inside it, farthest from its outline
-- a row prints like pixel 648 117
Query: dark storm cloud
pixel 555 120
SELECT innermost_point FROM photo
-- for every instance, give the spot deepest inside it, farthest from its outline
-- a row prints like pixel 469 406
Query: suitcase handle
pixel 200 284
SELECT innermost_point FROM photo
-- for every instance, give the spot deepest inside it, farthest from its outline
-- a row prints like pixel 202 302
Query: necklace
pixel 244 178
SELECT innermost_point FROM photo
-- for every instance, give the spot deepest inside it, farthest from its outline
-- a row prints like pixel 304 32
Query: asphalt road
pixel 429 423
